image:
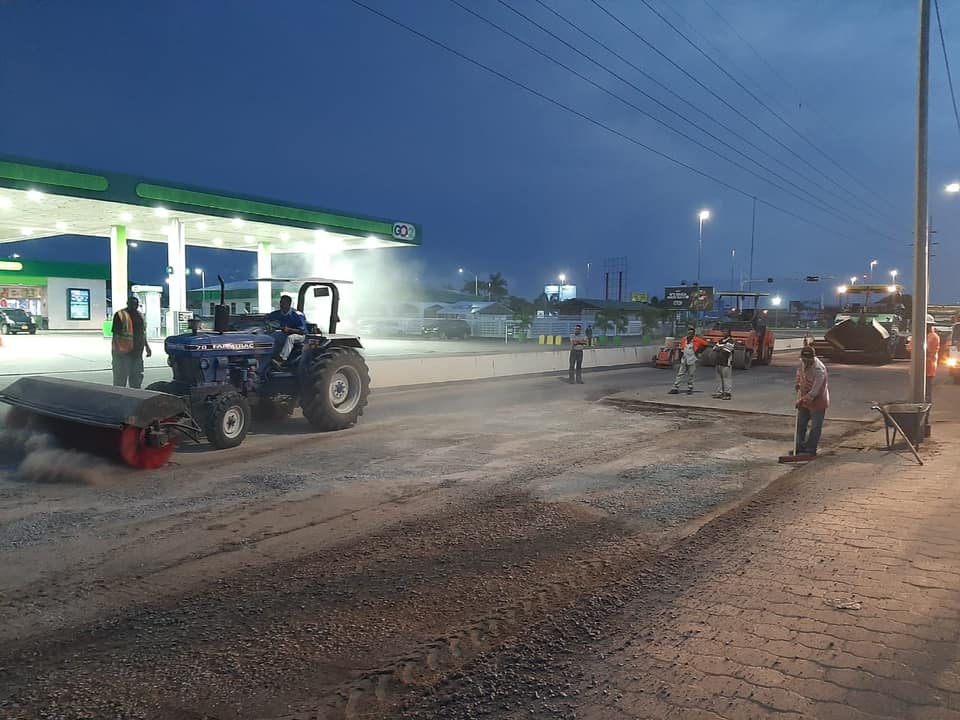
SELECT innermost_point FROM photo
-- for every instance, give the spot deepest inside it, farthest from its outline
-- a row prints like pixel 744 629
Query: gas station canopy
pixel 41 201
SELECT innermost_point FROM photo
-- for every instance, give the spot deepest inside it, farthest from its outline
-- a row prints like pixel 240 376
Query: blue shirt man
pixel 293 326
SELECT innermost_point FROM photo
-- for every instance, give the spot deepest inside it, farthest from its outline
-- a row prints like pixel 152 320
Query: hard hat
pixel 930 320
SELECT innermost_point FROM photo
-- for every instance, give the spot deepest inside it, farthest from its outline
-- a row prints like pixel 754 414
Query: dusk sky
pixel 322 102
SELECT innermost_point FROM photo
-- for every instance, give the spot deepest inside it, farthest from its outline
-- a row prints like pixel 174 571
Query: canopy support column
pixel 264 270
pixel 177 259
pixel 119 283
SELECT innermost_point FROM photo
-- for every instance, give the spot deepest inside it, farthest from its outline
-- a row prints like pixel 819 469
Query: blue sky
pixel 327 104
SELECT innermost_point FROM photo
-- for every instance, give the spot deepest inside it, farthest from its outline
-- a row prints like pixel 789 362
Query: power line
pixel 750 120
pixel 760 57
pixel 762 103
pixel 746 42
pixel 817 202
pixel 673 93
pixel 946 61
pixel 594 121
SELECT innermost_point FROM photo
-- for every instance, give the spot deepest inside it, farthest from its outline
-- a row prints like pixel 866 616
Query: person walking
pixel 578 341
pixel 589 335
pixel 690 348
pixel 813 399
pixel 723 353
pixel 129 340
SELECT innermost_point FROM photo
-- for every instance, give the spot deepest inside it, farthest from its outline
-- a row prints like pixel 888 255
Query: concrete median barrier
pixel 400 372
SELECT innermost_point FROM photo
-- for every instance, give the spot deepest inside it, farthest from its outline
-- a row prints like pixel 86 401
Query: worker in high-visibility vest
pixel 128 343
pixel 933 356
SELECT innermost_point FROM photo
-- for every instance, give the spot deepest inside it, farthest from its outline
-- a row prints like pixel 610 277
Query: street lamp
pixel 953 187
pixel 872 263
pixel 476 282
pixel 702 215
pixel 563 278
pixel 775 301
pixel 893 277
pixel 853 279
pixel 203 285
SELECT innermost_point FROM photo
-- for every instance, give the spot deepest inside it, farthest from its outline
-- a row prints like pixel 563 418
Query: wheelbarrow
pixel 908 419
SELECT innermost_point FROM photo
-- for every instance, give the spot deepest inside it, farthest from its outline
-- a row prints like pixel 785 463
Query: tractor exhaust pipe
pixel 221 314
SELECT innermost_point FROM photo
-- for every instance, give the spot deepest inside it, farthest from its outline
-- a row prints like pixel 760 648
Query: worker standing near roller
pixel 127 345
pixel 933 356
pixel 723 351
pixel 690 348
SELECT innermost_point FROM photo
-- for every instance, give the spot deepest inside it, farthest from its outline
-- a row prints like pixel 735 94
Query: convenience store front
pixel 59 295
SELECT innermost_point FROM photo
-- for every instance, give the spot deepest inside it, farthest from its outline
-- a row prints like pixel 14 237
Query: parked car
pixel 444 328
pixel 16 320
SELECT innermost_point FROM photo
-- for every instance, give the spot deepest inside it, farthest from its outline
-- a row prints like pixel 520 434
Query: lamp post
pixel 476 282
pixel 872 263
pixel 776 300
pixel 563 278
pixel 702 215
pixel 203 286
pixel 853 279
pixel 733 261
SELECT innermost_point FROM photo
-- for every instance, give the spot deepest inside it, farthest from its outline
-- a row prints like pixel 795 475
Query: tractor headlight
pixel 951 362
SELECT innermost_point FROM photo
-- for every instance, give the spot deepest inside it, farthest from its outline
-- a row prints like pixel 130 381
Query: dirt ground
pixel 343 576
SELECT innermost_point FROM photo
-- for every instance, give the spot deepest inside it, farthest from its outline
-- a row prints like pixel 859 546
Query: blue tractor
pixel 227 376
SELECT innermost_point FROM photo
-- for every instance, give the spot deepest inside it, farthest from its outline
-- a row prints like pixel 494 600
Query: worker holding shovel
pixel 813 399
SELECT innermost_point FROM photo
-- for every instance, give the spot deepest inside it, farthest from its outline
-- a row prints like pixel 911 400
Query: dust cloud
pixel 381 278
pixel 29 454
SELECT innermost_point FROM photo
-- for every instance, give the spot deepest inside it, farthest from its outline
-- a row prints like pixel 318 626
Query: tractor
pixel 226 377
pixel 220 378
pixel 748 328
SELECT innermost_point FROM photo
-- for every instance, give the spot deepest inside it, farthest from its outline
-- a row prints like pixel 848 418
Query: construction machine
pixel 754 341
pixel 865 333
pixel 220 378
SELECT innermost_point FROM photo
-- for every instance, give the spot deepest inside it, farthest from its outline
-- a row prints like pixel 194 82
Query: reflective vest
pixel 123 340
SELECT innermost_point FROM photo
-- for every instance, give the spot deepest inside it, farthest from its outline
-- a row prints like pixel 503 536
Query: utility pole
pixel 918 375
pixel 753 233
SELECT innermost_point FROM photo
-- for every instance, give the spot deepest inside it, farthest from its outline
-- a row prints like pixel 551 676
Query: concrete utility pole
pixel 918 375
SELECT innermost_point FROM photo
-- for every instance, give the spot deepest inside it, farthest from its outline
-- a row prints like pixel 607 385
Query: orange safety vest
pixel 933 350
pixel 123 341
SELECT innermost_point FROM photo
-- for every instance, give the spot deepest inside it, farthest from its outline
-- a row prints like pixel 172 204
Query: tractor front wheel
pixel 335 389
pixel 228 419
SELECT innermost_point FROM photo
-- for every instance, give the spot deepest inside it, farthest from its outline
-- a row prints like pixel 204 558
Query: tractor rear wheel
pixel 335 389
pixel 228 419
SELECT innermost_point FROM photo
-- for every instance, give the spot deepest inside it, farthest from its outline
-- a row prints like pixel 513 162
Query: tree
pixel 496 287
pixel 610 318
pixel 475 287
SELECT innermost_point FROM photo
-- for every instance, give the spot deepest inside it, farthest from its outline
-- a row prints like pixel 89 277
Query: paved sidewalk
pixel 754 630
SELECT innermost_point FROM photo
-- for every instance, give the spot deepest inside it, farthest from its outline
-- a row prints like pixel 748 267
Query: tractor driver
pixel 293 327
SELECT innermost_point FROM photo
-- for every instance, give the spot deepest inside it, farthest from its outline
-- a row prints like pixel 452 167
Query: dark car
pixel 446 328
pixel 16 320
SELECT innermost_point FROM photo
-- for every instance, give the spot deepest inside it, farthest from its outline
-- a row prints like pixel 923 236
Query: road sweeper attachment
pixel 139 427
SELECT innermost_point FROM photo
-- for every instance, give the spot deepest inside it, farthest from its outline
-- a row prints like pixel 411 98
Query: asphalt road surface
pixel 344 575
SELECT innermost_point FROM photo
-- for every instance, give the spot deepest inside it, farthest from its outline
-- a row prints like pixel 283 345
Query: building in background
pixel 59 295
